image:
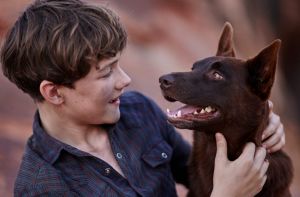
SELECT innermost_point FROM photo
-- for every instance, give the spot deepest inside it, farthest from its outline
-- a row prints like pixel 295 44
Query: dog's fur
pixel 238 92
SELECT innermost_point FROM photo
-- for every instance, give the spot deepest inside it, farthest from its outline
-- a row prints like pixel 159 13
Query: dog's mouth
pixel 189 113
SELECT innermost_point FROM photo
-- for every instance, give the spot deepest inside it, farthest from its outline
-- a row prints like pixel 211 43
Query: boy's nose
pixel 166 81
pixel 125 80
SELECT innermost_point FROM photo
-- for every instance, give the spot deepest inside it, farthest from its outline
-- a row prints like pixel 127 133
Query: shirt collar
pixel 49 147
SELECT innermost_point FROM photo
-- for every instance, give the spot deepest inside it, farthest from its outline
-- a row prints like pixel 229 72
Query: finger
pixel 264 181
pixel 263 174
pixel 259 184
pixel 248 152
pixel 259 158
pixel 221 155
pixel 274 123
pixel 277 146
pixel 262 178
pixel 262 184
pixel 270 105
pixel 264 168
pixel 274 139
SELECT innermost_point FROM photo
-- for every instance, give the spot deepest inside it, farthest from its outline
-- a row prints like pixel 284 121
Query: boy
pixel 90 139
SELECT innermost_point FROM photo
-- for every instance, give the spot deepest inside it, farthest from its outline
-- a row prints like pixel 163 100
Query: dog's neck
pixel 236 134
pixel 204 151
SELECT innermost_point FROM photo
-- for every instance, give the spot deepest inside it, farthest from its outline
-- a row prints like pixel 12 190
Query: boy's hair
pixel 58 41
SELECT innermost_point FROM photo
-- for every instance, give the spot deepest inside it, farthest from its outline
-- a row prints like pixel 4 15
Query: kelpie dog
pixel 228 95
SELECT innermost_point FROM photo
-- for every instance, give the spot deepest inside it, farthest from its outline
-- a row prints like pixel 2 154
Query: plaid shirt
pixel 149 151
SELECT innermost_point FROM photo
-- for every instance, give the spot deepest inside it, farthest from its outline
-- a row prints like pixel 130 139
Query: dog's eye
pixel 217 76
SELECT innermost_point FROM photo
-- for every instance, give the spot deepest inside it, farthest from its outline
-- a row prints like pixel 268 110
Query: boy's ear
pixel 262 69
pixel 50 92
pixel 225 47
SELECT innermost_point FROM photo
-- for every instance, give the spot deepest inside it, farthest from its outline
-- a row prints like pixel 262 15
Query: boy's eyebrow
pixel 104 66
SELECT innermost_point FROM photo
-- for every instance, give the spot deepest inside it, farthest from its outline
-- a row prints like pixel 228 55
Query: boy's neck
pixel 89 138
pixel 92 139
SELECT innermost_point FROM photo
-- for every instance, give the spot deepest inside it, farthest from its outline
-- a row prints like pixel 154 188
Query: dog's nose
pixel 166 81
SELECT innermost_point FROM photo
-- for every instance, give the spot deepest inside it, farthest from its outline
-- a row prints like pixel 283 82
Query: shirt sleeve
pixel 36 178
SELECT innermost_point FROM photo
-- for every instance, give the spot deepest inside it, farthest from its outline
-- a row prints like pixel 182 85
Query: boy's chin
pixel 114 117
pixel 111 117
pixel 116 120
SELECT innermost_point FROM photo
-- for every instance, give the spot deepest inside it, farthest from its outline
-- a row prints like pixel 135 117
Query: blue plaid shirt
pixel 149 151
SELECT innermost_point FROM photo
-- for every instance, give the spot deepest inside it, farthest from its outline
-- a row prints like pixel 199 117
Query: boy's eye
pixel 106 72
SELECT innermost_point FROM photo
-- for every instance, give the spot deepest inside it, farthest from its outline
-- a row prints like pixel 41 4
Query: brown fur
pixel 241 98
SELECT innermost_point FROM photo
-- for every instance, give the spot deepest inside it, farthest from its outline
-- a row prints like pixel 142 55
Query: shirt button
pixel 119 156
pixel 107 170
pixel 164 155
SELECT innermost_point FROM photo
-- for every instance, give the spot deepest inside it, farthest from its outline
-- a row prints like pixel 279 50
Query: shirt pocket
pixel 159 154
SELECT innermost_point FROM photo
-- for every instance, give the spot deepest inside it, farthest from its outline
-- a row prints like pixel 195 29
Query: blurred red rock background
pixel 165 36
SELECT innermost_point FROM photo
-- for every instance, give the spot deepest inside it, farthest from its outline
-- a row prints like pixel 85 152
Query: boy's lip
pixel 115 100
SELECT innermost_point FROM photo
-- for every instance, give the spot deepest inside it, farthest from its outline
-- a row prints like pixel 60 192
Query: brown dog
pixel 228 95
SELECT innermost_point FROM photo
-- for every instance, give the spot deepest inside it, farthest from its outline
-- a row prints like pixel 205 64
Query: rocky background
pixel 169 35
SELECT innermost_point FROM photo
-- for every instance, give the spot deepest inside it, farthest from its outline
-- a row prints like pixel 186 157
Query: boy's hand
pixel 245 176
pixel 273 136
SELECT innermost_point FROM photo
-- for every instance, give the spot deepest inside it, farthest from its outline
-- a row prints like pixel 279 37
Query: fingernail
pixel 263 137
pixel 264 145
pixel 218 136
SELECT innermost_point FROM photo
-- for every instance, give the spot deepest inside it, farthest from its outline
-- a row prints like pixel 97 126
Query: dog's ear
pixel 262 69
pixel 225 47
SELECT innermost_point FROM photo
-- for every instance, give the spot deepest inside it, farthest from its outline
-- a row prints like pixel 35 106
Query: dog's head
pixel 222 89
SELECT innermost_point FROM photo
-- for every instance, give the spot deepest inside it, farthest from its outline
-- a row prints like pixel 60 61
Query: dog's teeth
pixel 179 113
pixel 168 111
pixel 195 112
pixel 208 109
pixel 202 111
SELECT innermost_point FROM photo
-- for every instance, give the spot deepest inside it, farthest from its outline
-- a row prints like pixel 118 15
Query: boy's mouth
pixel 115 101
